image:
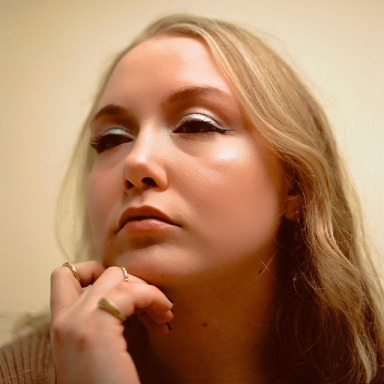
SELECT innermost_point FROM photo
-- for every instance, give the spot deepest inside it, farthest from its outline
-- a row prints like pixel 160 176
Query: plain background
pixel 52 54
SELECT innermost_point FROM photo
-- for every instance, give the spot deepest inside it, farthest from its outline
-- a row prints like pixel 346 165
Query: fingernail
pixel 169 326
pixel 170 299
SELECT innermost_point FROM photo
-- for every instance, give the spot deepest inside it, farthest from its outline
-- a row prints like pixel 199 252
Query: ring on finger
pixel 126 278
pixel 73 270
pixel 111 308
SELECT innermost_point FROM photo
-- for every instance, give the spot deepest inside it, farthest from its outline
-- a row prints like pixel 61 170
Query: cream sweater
pixel 28 360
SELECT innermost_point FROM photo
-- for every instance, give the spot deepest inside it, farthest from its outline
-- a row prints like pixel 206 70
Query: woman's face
pixel 170 134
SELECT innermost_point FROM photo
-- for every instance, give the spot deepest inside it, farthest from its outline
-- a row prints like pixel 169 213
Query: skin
pixel 226 192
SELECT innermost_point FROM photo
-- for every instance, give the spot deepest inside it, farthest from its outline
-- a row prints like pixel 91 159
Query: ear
pixel 294 201
pixel 293 207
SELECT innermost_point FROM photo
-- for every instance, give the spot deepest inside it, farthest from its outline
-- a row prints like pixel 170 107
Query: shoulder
pixel 28 360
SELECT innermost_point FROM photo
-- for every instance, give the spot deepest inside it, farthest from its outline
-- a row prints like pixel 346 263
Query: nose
pixel 144 166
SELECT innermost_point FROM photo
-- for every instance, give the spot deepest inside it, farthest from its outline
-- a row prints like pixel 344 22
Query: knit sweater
pixel 28 360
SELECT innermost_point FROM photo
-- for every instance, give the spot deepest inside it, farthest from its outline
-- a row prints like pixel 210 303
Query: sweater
pixel 28 360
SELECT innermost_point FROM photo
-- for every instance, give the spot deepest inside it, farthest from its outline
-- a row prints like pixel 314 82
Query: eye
pixel 110 139
pixel 197 123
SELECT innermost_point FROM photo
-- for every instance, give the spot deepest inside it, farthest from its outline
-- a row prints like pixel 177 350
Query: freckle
pixel 205 324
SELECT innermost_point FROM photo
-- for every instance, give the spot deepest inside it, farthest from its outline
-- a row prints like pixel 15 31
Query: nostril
pixel 149 181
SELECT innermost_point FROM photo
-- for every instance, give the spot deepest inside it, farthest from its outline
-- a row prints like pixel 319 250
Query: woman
pixel 227 235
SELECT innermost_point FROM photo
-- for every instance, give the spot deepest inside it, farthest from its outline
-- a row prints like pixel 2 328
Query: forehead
pixel 162 64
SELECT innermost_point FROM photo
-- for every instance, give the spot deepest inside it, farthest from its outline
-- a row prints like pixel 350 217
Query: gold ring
pixel 125 274
pixel 73 269
pixel 108 306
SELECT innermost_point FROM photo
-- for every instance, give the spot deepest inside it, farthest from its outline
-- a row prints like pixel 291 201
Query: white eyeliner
pixel 117 131
pixel 197 117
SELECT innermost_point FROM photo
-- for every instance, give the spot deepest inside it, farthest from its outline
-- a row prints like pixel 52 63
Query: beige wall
pixel 52 53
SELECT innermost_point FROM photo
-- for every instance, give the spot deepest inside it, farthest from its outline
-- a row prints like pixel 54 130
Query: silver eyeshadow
pixel 186 118
pixel 118 131
pixel 197 117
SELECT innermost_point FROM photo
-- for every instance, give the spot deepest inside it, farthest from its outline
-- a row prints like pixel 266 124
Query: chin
pixel 158 267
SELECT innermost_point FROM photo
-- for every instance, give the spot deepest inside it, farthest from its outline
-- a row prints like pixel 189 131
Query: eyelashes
pixel 110 139
pixel 196 123
pixel 191 124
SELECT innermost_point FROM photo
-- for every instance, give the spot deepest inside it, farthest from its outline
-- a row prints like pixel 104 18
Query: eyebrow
pixel 182 94
pixel 190 92
pixel 113 110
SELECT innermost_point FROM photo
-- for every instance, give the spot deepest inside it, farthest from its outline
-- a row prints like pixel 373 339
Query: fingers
pixel 133 297
pixel 65 288
pixel 137 298
pixel 89 272
pixel 111 277
pixel 152 327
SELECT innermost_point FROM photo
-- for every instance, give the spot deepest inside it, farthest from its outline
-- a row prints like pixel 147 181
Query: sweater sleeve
pixel 28 360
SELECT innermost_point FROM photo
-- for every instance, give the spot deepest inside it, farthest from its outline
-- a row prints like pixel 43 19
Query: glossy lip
pixel 139 213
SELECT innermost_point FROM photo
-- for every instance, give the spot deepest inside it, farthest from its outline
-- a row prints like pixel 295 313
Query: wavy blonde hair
pixel 329 321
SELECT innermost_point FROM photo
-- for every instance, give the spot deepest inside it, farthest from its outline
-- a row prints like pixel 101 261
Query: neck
pixel 220 333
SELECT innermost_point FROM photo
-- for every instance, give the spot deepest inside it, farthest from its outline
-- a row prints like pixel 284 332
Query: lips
pixel 142 213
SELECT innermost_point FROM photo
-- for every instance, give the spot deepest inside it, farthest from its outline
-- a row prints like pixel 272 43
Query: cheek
pixel 236 192
pixel 102 190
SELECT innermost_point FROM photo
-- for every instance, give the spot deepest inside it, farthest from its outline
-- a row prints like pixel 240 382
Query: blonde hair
pixel 328 319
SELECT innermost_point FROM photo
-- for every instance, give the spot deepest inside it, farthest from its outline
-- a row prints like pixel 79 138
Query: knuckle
pixel 113 272
pixel 113 269
pixel 55 272
pixel 94 264
pixel 145 288
pixel 153 290
pixel 57 325
pixel 124 288
pixel 64 331
pixel 83 337
pixel 59 330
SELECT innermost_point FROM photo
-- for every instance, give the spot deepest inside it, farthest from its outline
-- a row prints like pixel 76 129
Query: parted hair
pixel 328 316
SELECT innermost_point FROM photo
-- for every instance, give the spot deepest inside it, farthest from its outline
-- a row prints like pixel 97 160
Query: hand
pixel 88 343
